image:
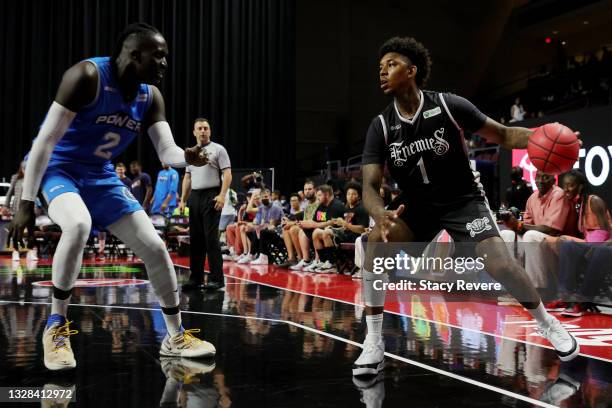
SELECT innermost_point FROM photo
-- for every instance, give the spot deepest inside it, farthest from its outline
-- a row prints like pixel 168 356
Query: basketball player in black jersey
pixel 419 136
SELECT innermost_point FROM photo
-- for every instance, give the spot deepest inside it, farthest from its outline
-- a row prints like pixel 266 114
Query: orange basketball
pixel 553 148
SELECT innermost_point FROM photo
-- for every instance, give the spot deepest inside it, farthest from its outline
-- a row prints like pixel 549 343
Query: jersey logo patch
pixel 432 112
pixel 478 225
pixel 400 152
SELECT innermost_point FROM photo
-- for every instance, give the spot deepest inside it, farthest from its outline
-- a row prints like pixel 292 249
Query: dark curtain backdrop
pixel 231 61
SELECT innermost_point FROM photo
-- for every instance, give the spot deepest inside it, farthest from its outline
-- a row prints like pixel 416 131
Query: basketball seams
pixel 546 157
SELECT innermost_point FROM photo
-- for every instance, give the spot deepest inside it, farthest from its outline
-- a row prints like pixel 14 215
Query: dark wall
pixel 337 91
pixel 230 61
pixel 595 126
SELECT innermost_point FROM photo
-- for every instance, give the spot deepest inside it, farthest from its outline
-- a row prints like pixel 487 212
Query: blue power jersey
pixel 104 128
pixel 81 160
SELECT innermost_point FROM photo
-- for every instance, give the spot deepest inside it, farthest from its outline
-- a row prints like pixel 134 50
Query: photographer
pixel 253 180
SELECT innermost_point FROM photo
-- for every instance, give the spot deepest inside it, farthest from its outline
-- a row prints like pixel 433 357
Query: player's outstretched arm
pixel 77 89
pixel 161 135
pixel 507 137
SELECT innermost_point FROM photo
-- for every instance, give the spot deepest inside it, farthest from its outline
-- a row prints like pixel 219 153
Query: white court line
pixel 413 317
pixel 332 336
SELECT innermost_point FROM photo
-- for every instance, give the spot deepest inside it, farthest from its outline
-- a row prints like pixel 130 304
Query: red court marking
pixel 96 283
pixel 593 332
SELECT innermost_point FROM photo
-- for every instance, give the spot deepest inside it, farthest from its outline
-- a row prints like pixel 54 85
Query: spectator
pixel 276 194
pixel 164 199
pixel 267 218
pixel 520 190
pixel 309 210
pixel 303 200
pixel 232 231
pixel 290 221
pixel 120 170
pixel 253 180
pixel 548 213
pixel 576 254
pixel 228 213
pixel 517 112
pixel 141 185
pixel 329 208
pixel 344 229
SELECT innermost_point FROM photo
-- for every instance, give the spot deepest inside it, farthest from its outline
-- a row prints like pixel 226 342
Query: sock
pixel 374 323
pixel 60 301
pixel 172 317
pixel 540 315
pixel 55 318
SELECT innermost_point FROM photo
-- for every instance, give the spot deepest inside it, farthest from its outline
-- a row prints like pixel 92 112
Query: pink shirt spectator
pixel 552 209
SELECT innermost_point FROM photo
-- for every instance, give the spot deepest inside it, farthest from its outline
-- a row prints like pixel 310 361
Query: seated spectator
pixel 268 217
pixel 344 229
pixel 290 221
pixel 576 254
pixel 275 197
pixel 329 208
pixel 548 213
pixel 296 257
pixel 164 199
pixel 520 190
pixel 233 231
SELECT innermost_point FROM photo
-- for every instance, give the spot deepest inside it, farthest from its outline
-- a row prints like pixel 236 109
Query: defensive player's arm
pixel 506 137
pixel 161 135
pixel 77 89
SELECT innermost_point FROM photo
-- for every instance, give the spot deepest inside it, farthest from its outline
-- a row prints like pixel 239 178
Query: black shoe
pixel 191 285
pixel 213 285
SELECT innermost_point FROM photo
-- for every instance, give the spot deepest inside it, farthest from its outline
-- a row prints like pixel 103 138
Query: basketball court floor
pixel 288 339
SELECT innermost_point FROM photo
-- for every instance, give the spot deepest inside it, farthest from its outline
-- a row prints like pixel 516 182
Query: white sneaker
pixel 326 267
pixel 261 260
pixel 185 344
pixel 298 266
pixel 372 359
pixel 311 268
pixel 15 256
pixel 32 255
pixel 58 354
pixel 183 369
pixel 565 344
pixel 246 258
pixel 227 257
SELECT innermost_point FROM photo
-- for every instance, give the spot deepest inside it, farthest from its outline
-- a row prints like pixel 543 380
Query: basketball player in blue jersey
pixel 101 105
pixel 419 136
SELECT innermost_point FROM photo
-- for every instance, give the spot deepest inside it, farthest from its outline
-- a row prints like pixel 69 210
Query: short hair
pixel 135 162
pixel 119 164
pixel 138 29
pixel 325 188
pixel 414 51
pixel 264 191
pixel 353 186
pixel 277 192
pixel 196 120
pixel 309 181
pixel 296 195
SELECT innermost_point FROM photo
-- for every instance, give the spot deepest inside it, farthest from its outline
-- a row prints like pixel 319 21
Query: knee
pixel 80 228
pixel 507 235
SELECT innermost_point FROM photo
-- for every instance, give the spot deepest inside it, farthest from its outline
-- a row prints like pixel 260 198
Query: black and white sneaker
pixel 371 361
pixel 564 343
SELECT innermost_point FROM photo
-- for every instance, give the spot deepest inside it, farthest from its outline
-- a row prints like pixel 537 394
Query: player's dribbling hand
pixel 387 221
pixel 196 156
pixel 24 218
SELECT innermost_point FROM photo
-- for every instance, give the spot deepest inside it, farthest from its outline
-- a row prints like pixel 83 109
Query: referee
pixel 208 186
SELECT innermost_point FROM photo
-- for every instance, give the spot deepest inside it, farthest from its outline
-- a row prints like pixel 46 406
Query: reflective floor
pixel 276 348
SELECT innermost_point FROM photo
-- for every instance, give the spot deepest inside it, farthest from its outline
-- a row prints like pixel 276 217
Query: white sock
pixel 60 306
pixel 173 323
pixel 374 323
pixel 540 315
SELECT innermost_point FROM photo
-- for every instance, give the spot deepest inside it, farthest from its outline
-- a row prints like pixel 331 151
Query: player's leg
pixel 474 223
pixel 137 232
pixel 69 212
pixel 371 359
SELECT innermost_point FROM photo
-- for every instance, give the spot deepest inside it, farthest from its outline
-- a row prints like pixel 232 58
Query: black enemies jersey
pixel 427 155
